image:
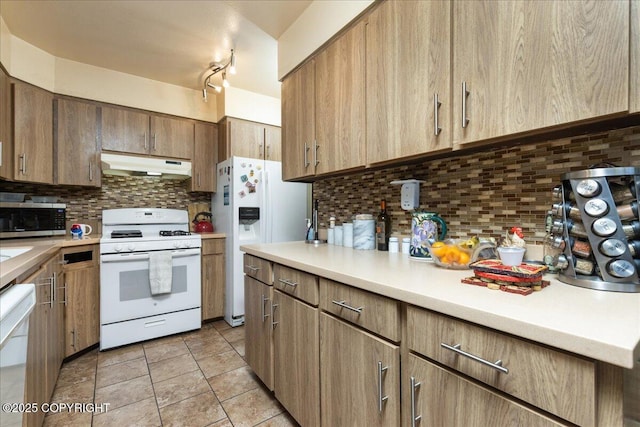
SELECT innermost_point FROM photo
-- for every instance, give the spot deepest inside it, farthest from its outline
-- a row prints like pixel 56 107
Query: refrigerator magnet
pixel 242 194
pixel 244 178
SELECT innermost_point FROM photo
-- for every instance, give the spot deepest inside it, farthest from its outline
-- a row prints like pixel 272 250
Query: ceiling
pixel 170 41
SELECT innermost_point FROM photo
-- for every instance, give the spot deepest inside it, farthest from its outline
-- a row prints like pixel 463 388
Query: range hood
pixel 117 164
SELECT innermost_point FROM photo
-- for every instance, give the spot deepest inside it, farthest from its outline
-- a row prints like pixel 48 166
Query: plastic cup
pixel 511 256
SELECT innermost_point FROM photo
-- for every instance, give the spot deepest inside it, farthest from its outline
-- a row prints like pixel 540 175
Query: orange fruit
pixel 438 249
pixel 464 258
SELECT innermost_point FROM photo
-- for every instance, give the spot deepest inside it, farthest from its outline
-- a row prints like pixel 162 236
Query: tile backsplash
pixel 86 204
pixel 483 192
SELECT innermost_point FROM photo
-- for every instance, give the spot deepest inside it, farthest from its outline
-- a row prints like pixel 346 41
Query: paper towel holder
pixel 409 193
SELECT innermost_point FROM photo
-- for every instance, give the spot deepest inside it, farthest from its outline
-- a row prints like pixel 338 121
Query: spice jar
pixel 393 244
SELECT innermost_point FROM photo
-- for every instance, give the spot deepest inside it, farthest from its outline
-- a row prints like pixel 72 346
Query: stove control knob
pixel 176 244
pixel 118 248
pixel 131 247
pixel 187 244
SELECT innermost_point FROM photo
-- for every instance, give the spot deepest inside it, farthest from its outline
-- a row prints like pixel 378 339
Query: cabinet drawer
pixel 376 313
pixel 297 283
pixel 212 246
pixel 258 268
pixel 536 374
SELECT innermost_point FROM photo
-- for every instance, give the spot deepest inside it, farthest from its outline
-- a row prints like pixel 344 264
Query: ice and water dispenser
pixel 249 223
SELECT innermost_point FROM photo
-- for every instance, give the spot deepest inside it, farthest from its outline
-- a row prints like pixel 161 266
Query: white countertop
pixel 598 324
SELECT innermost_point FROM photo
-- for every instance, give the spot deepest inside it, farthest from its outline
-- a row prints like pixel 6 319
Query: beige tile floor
pixel 193 379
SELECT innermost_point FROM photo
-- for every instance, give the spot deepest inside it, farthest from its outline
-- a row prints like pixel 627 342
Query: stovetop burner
pixel 174 233
pixel 123 234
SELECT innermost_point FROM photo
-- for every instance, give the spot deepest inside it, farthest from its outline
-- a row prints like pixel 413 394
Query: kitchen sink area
pixel 8 253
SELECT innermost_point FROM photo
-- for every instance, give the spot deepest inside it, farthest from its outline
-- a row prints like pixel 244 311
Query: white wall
pixel 251 106
pixel 317 24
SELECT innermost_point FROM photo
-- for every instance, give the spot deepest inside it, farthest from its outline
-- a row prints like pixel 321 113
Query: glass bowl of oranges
pixel 458 254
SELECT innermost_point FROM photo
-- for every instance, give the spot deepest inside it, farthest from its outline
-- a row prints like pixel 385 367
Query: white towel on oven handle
pixel 160 272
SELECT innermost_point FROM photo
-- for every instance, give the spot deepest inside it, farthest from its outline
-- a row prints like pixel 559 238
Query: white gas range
pixel 138 248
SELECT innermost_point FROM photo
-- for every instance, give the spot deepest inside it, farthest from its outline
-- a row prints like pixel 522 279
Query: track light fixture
pixel 215 68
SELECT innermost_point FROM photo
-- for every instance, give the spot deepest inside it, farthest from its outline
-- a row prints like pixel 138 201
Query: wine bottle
pixel 383 227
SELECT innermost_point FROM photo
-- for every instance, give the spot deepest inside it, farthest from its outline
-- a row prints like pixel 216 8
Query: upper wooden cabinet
pixel 77 143
pixel 6 115
pixel 137 132
pixel 205 158
pixel 522 66
pixel 298 122
pixel 125 130
pixel 243 138
pixel 340 103
pixel 171 137
pixel 33 134
pixel 407 79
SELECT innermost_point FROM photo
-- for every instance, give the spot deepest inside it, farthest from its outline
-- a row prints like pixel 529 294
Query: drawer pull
pixel 288 282
pixel 347 306
pixel 497 365
pixel 414 386
pixel 381 398
pixel 252 268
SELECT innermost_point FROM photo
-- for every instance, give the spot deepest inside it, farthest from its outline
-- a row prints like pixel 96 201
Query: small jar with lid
pixel 406 245
pixel 393 245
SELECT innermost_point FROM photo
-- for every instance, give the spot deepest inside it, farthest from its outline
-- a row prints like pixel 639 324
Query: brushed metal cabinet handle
pixel 414 417
pixel 154 142
pixel 90 171
pixel 146 144
pixel 263 311
pixel 252 268
pixel 288 282
pixel 436 107
pixel 381 398
pixel 315 155
pixel 273 315
pixel 465 95
pixel 23 163
pixel 343 304
pixel 306 155
pixel 497 365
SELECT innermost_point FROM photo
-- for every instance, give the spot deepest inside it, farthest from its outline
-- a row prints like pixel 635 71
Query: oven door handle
pixel 140 256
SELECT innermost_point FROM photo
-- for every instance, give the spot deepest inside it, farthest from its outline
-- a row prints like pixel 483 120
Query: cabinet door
pixel 246 139
pixel 297 358
pixel 532 65
pixel 407 80
pixel 272 143
pixel 359 376
pixel 171 137
pixel 298 123
pixel 213 279
pixel 82 320
pixel 33 134
pixel 77 147
pixel 258 329
pixel 440 397
pixel 205 158
pixel 340 103
pixel 125 130
pixel 6 116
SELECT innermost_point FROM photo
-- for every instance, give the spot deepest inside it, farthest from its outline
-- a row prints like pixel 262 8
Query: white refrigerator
pixel 253 205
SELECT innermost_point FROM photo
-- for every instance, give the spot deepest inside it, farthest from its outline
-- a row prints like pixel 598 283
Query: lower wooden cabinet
pixel 213 278
pixel 359 377
pixel 258 329
pixel 297 358
pixel 438 397
pixel 82 298
pixel 45 348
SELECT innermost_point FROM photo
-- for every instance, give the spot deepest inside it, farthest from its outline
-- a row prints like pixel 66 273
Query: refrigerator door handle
pixel 267 214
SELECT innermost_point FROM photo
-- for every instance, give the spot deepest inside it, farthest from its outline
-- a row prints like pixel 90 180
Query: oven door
pixel 125 292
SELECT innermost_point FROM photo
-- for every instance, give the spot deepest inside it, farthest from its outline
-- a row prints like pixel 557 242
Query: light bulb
pixel 204 94
pixel 225 82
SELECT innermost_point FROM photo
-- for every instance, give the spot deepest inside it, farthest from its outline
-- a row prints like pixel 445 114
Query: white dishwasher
pixel 16 304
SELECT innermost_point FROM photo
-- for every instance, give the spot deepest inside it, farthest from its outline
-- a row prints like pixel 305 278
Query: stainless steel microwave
pixel 32 219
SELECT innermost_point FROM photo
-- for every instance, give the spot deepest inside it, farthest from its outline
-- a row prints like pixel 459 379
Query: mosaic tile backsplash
pixel 481 193
pixel 86 204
